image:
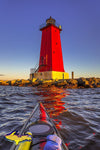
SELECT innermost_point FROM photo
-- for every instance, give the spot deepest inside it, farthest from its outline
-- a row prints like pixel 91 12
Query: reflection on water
pixel 76 113
pixel 52 101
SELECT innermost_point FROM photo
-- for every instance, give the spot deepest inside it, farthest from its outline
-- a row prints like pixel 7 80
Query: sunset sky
pixel 20 38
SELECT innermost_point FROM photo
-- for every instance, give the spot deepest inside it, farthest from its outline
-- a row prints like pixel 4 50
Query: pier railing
pixel 34 70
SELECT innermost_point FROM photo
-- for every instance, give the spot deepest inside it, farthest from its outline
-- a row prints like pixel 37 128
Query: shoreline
pixel 68 83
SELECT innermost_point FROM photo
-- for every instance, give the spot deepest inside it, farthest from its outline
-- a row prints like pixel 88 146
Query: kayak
pixel 38 133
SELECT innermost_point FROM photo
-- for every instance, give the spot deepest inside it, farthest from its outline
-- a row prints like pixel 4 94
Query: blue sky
pixel 20 38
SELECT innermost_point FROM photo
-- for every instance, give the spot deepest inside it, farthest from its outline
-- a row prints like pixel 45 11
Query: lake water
pixel 76 113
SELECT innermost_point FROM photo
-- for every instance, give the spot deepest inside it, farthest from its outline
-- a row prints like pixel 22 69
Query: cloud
pixel 1 74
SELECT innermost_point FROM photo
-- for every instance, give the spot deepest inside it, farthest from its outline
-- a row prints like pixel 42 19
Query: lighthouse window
pixel 56 43
pixel 55 30
pixel 53 52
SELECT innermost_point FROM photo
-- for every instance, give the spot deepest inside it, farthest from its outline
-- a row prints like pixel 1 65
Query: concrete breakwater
pixel 69 83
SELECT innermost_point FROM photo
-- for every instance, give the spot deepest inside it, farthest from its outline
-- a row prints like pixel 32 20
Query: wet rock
pixel 69 83
pixel 61 83
pixel 72 81
pixel 83 82
pixel 3 82
pixel 94 82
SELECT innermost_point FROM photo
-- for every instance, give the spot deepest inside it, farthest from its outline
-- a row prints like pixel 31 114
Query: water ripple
pixel 76 113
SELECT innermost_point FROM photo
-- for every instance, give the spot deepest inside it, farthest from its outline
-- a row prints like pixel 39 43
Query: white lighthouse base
pixel 50 75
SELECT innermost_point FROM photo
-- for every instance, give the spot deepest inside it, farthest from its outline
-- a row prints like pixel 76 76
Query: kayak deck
pixel 40 125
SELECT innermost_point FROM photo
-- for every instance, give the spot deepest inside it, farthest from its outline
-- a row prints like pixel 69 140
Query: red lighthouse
pixel 51 52
pixel 51 59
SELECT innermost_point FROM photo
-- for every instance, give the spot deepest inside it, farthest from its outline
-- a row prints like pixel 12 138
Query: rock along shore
pixel 69 83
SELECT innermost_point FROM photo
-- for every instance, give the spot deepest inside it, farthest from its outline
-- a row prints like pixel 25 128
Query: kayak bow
pixel 40 125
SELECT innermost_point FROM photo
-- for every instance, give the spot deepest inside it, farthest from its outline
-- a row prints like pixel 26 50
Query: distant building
pixel 51 59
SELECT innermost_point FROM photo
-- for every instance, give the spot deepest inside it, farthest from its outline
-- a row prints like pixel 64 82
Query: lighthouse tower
pixel 51 60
